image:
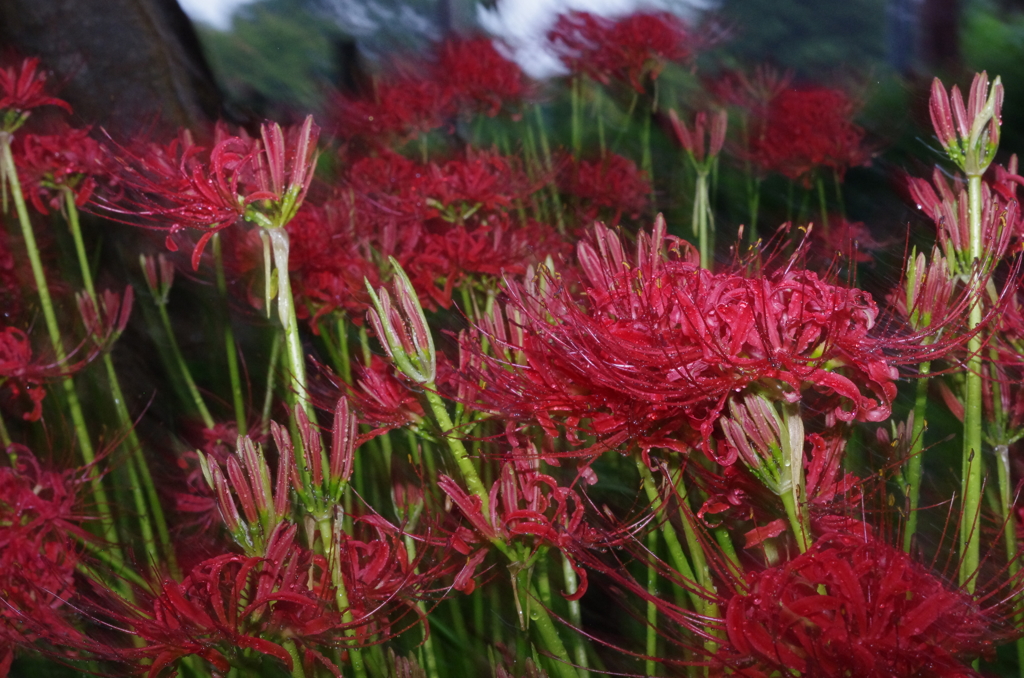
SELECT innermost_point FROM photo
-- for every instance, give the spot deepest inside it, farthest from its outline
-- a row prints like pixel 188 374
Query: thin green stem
pixel 341 596
pixel 575 617
pixel 458 450
pixel 183 369
pixel 702 219
pixel 268 396
pixel 970 534
pixel 551 641
pixel 108 527
pixel 914 463
pixel 577 126
pixel 132 445
pixel 675 549
pixel 293 652
pixel 651 648
pixel 822 204
pixel 550 166
pixel 5 438
pixel 289 321
pixel 230 347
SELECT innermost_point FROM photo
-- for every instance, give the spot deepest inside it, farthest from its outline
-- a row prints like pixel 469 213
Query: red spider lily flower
pixel 604 189
pixel 751 93
pixel 404 334
pixel 702 151
pixel 628 50
pixel 400 109
pixel 806 129
pixel 657 344
pixel 969 134
pixel 49 164
pixel 319 478
pixel 17 372
pixel 329 262
pixel 478 76
pixel 39 524
pixel 22 88
pixel 947 206
pixel 264 503
pixel 227 605
pixel 379 397
pixel 105 324
pixel 263 180
pixel 526 504
pixel 158 272
pixel 853 604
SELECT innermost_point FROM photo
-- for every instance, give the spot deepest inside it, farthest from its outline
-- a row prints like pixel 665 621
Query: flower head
pixel 628 49
pixel 805 129
pixel 855 605
pixel 969 134
pixel 22 88
pixel 655 344
pixel 50 164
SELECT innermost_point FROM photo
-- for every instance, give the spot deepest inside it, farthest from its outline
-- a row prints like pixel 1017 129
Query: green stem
pixel 293 651
pixel 458 450
pixel 341 597
pixel 289 321
pixel 675 549
pixel 5 439
pixel 970 537
pixel 914 463
pixel 646 161
pixel 793 474
pixel 577 136
pixel 183 369
pixel 550 166
pixel 575 617
pixel 132 445
pixel 549 637
pixel 230 348
pixel 651 648
pixel 754 202
pixel 268 396
pixel 702 218
pixel 428 641
pixel 822 204
pixel 53 329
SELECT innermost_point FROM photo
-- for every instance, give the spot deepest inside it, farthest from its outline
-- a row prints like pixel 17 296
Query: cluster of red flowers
pixel 853 604
pixel 466 75
pixel 607 188
pixel 626 50
pixel 802 130
pixel 445 223
pixel 39 523
pixel 658 344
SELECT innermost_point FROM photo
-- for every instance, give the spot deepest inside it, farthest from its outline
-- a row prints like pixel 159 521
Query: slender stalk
pixel 577 126
pixel 108 528
pixel 341 596
pixel 428 642
pixel 793 472
pixel 575 618
pixel 914 463
pixel 289 321
pixel 293 651
pixel 5 439
pixel 675 549
pixel 702 219
pixel 651 648
pixel 753 203
pixel 646 161
pixel 458 450
pixel 230 348
pixel 183 369
pixel 550 166
pixel 132 445
pixel 970 536
pixel 549 637
pixel 822 203
pixel 268 396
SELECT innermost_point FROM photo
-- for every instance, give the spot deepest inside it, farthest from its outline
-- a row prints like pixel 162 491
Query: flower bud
pixel 404 335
